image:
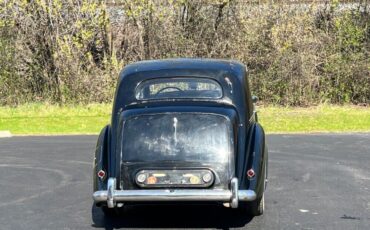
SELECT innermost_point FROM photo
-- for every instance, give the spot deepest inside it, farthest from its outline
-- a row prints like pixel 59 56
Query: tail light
pixel 152 180
pixel 101 174
pixel 250 173
pixel 141 178
pixel 174 178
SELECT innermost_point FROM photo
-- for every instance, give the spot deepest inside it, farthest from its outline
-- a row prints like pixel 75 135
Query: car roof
pixel 235 67
pixel 231 75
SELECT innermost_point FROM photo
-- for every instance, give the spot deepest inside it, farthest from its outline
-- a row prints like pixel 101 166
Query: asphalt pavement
pixel 315 182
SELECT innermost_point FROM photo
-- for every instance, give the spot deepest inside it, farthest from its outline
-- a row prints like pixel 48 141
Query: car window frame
pixel 162 80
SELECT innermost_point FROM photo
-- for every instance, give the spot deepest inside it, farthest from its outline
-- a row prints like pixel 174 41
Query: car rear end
pixel 176 143
pixel 178 154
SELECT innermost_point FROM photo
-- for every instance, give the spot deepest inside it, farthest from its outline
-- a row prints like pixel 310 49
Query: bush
pixel 58 52
pixel 297 54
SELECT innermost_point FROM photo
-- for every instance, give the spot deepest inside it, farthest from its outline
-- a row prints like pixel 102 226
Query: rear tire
pixel 253 208
pixel 257 207
pixel 110 212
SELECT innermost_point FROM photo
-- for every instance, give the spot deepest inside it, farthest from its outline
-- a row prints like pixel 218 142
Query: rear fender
pixel 257 160
pixel 101 159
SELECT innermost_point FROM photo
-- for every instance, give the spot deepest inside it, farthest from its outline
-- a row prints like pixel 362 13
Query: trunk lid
pixel 177 141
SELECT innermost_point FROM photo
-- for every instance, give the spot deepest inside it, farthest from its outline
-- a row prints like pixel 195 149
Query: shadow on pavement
pixel 171 216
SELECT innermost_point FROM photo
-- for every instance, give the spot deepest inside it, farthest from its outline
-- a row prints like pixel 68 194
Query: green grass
pixel 43 119
pixel 324 118
pixel 53 119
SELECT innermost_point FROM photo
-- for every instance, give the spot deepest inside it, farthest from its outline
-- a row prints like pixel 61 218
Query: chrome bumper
pixel 232 196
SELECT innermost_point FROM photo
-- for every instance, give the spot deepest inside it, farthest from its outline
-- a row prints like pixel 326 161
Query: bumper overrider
pixel 232 196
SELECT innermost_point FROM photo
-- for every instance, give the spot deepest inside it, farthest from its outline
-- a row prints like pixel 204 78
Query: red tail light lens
pixel 250 173
pixel 101 174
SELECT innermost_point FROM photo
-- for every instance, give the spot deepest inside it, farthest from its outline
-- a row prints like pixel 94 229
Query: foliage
pixel 297 54
pixel 59 51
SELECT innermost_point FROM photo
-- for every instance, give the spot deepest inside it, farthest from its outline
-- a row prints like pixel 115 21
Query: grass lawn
pixel 324 118
pixel 51 119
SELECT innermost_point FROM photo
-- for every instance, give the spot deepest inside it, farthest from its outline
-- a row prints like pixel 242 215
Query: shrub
pixel 297 54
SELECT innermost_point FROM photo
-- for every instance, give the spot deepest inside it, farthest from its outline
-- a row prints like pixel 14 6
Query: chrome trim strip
pixel 165 195
pixel 234 193
pixel 111 193
pixel 233 196
pixel 247 195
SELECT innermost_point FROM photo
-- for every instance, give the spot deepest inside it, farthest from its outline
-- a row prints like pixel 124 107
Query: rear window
pixel 178 88
pixel 177 137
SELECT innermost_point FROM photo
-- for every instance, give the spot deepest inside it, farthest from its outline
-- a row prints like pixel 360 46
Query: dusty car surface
pixel 182 130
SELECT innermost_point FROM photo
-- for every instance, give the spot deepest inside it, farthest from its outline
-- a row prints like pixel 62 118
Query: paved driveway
pixel 316 182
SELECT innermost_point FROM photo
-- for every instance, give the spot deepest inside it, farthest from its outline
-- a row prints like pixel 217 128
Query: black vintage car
pixel 182 130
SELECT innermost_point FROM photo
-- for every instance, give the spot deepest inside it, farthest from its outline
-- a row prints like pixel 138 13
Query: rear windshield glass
pixel 176 137
pixel 178 88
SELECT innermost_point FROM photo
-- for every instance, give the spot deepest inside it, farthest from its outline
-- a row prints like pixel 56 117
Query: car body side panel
pixel 101 159
pixel 257 158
